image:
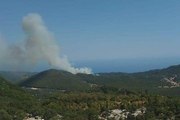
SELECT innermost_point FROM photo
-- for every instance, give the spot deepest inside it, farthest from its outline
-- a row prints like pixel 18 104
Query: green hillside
pixel 141 80
pixel 80 105
pixel 56 79
pixel 149 80
pixel 15 103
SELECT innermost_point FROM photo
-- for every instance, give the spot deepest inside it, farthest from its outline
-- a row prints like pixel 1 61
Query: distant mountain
pixel 153 80
pixel 141 80
pixel 56 79
pixel 15 77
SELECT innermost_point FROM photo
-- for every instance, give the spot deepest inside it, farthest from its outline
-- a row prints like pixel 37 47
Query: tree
pixel 4 115
pixel 92 114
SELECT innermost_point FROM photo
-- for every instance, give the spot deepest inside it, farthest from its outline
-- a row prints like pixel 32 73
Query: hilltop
pixel 104 102
pixel 153 80
pixel 56 79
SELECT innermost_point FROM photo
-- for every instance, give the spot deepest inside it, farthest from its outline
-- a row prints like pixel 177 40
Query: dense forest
pixel 60 95
pixel 17 104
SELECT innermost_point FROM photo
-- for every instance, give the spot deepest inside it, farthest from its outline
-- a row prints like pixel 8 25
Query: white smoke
pixel 39 46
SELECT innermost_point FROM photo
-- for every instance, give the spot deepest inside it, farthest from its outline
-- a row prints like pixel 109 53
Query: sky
pixel 105 35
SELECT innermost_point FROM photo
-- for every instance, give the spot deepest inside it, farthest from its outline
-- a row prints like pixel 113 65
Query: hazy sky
pixel 107 35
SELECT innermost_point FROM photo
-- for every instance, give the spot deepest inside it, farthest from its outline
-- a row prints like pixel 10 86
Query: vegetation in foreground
pixel 16 104
pixel 91 97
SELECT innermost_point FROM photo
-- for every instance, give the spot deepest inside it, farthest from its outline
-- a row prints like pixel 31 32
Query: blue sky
pixel 106 35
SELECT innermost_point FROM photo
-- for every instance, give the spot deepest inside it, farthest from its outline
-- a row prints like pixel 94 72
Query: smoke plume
pixel 39 46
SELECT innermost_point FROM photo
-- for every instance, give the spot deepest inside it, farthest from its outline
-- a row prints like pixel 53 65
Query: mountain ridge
pixel 55 79
pixel 59 79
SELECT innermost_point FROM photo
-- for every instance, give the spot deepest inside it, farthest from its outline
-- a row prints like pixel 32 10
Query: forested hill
pixel 56 79
pixel 148 79
pixel 15 103
pixel 154 79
